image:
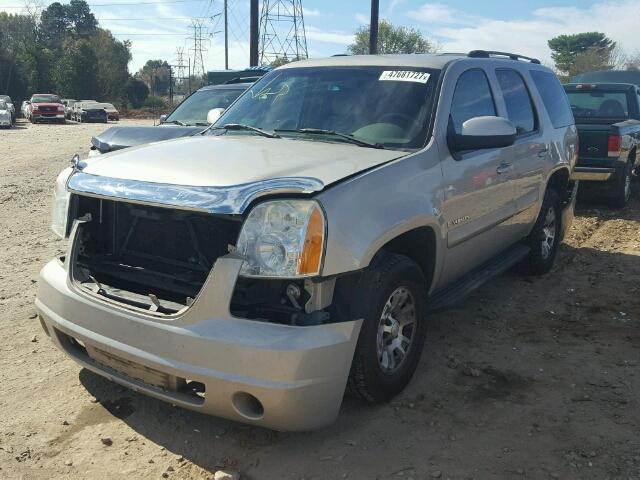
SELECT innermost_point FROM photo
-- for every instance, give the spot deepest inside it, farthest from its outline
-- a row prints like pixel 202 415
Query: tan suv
pixel 295 247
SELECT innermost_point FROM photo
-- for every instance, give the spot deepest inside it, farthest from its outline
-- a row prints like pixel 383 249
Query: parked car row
pixel 51 108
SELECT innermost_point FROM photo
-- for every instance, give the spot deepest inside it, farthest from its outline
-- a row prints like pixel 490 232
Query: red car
pixel 45 107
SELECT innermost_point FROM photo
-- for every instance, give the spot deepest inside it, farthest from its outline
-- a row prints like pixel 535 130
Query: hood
pixel 116 138
pixel 231 160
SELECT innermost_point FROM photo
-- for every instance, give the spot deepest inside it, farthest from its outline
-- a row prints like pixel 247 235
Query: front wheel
pixel 544 239
pixel 392 301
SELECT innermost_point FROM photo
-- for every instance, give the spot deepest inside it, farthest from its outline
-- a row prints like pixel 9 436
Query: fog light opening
pixel 247 405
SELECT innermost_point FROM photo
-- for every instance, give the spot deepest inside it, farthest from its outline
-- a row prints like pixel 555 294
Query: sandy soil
pixel 529 378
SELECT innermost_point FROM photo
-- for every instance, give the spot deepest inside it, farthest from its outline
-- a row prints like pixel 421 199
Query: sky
pixel 157 28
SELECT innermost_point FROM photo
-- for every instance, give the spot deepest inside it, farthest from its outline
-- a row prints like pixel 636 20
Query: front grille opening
pixel 152 258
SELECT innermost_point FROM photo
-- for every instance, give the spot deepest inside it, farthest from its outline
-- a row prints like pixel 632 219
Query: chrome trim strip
pixel 219 200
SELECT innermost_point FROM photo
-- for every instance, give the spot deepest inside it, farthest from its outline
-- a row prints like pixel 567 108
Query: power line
pixel 155 2
pixel 148 34
pixel 282 33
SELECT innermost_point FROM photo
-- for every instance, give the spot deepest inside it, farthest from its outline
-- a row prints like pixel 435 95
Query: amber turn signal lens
pixel 311 257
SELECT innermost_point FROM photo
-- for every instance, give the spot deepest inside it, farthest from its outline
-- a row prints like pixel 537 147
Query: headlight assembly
pixel 283 238
pixel 60 211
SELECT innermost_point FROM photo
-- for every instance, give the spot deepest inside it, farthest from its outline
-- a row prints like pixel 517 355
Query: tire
pixel 624 187
pixel 378 375
pixel 544 239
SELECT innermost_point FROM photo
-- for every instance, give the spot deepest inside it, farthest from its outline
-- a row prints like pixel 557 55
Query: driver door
pixel 478 193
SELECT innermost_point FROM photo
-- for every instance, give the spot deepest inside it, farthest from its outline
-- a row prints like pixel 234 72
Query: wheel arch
pixel 559 180
pixel 419 243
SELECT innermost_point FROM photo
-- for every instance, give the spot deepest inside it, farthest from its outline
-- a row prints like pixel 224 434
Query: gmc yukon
pixel 296 247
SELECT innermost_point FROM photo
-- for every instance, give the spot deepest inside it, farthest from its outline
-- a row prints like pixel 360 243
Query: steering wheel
pixel 405 120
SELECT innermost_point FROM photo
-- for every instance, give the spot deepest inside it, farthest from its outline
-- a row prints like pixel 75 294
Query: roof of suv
pixel 421 60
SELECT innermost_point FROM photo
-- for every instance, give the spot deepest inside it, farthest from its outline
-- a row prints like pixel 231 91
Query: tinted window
pixel 517 99
pixel 553 97
pixel 472 98
pixel 599 104
pixel 45 99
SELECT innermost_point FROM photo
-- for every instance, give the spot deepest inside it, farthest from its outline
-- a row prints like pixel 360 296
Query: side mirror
pixel 214 114
pixel 162 118
pixel 483 133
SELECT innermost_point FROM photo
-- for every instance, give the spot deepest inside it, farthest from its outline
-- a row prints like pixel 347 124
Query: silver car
pixel 6 117
pixel 297 246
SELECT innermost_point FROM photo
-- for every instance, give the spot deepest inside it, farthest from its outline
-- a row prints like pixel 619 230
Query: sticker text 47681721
pixel 404 76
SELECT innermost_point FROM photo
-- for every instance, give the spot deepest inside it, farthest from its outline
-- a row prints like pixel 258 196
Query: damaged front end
pixel 152 247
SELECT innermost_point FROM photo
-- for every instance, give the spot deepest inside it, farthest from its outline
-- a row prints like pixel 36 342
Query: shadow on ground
pixel 535 376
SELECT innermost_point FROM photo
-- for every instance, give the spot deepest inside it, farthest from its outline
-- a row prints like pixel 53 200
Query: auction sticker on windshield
pixel 404 76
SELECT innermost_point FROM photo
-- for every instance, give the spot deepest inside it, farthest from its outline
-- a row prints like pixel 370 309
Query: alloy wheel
pixel 396 329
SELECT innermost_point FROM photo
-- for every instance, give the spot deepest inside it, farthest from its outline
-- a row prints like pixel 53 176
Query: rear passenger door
pixel 526 156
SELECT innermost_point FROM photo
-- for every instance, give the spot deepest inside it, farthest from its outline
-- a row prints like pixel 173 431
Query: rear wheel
pixel 623 188
pixel 392 303
pixel 544 239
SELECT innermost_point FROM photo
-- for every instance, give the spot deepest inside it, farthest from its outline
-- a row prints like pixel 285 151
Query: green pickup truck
pixel 608 119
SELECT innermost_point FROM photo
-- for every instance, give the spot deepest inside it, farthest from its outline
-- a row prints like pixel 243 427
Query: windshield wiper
pixel 176 122
pixel 249 128
pixel 345 136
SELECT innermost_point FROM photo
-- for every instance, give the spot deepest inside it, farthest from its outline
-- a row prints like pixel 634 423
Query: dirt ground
pixel 529 378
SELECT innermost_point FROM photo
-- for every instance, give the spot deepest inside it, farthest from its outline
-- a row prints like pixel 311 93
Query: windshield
pixel 45 99
pixel 599 104
pixel 383 106
pixel 194 109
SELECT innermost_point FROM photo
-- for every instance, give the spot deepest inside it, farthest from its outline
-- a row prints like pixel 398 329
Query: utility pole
pixel 226 35
pixel 254 34
pixel 180 67
pixel 373 27
pixel 198 49
pixel 282 32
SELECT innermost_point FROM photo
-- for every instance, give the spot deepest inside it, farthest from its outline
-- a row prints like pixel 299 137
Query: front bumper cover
pixel 297 374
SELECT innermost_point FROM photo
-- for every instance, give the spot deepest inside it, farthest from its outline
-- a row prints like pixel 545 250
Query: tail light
pixel 614 145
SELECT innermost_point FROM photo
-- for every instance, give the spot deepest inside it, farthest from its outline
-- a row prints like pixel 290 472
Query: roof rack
pixel 490 53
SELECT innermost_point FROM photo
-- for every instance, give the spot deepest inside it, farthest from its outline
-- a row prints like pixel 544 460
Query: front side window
pixel 194 110
pixel 517 99
pixel 472 98
pixel 386 107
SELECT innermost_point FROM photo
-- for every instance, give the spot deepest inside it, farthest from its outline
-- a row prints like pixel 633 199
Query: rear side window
pixel 472 98
pixel 599 104
pixel 517 99
pixel 554 98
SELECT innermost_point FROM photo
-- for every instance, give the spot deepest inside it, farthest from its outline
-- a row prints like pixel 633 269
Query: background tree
pixel 279 61
pixel 155 74
pixel 136 92
pixel 392 39
pixel 63 50
pixel 76 72
pixel 582 52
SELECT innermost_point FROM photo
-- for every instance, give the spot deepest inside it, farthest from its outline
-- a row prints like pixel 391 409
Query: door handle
pixel 543 153
pixel 504 168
